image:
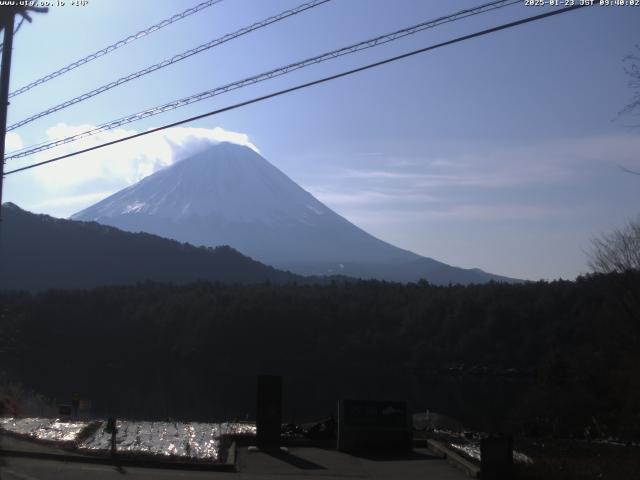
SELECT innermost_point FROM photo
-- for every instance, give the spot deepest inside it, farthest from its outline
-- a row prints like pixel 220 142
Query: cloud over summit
pixel 80 180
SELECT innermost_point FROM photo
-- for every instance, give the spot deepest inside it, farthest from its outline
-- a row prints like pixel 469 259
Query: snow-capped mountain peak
pixel 229 194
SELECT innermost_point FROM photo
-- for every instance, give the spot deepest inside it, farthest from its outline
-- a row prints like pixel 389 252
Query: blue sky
pixel 500 153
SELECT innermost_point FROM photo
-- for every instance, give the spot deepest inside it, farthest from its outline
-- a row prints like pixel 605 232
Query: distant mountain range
pixel 230 195
pixel 39 252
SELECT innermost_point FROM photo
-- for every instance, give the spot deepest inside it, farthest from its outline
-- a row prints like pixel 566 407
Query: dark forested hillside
pixel 541 357
pixel 39 252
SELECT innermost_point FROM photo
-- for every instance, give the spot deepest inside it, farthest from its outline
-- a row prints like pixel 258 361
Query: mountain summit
pixel 230 195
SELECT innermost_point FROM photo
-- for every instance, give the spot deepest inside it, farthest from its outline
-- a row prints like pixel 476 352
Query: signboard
pixel 375 414
pixel 268 410
pixel 365 425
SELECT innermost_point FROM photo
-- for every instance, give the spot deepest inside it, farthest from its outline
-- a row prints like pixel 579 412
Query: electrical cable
pixel 170 61
pixel 115 46
pixel 308 84
pixel 373 42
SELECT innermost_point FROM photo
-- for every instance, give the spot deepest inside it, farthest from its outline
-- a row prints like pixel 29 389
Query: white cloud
pixel 395 219
pixel 70 201
pixel 12 141
pixel 539 182
pixel 498 213
pixel 188 140
pixel 478 179
pixel 124 163
pixel 367 197
pixel 69 185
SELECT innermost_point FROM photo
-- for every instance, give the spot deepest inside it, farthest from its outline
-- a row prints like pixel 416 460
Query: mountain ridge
pixel 39 252
pixel 229 194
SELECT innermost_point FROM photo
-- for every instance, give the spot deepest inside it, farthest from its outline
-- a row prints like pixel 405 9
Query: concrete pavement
pixel 8 442
pixel 331 464
pixel 297 463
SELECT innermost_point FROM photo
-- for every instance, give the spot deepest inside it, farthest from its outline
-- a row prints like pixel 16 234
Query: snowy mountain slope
pixel 230 195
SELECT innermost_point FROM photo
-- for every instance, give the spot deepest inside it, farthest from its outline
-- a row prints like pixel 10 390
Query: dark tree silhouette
pixel 537 357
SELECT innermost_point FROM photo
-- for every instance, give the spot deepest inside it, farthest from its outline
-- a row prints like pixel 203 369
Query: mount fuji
pixel 230 195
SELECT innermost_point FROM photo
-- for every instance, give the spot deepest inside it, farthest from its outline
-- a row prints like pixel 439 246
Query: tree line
pixel 558 357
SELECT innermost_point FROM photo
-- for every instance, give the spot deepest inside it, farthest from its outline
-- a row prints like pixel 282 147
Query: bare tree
pixel 632 69
pixel 617 251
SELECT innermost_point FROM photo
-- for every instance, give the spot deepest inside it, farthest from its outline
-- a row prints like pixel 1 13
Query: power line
pixel 19 25
pixel 170 61
pixel 20 150
pixel 628 170
pixel 373 42
pixel 308 84
pixel 116 45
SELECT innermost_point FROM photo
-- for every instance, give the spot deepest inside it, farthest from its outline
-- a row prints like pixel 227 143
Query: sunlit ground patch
pixel 46 429
pixel 176 439
pixel 182 440
pixel 473 450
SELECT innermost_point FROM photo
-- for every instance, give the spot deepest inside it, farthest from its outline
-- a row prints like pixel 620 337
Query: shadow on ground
pixel 396 457
pixel 294 460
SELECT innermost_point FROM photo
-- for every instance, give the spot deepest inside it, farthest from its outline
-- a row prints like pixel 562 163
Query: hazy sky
pixel 501 153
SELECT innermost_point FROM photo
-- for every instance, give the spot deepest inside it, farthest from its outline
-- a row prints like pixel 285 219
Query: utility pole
pixel 8 19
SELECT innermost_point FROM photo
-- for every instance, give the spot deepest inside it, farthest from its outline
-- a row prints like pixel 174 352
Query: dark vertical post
pixel 113 430
pixel 269 411
pixel 8 21
pixel 75 402
pixel 496 457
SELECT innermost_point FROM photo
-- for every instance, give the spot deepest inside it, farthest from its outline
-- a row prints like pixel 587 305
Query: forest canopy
pixel 536 357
